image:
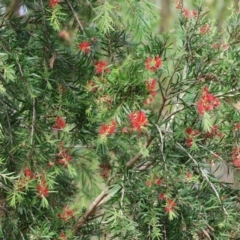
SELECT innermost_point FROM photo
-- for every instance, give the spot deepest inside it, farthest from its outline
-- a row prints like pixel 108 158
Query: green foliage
pixel 92 99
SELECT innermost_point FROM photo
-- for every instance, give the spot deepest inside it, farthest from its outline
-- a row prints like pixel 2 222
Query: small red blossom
pixel 91 86
pixel 205 29
pixel 65 158
pixel 161 196
pixel 60 123
pixel 225 46
pixel 125 130
pixel 236 157
pixel 50 164
pixel 151 86
pixel 213 132
pixel 105 99
pixel 170 205
pixel 108 129
pixel 42 190
pixel 236 127
pixel 224 197
pixel 194 13
pixel 189 142
pixel 28 173
pixel 153 63
pixel 66 214
pixel 178 4
pixel 207 102
pixel 138 120
pixel 188 175
pixel 85 47
pixel 186 13
pixel 101 67
pixel 63 236
pixel 191 132
pixel 158 181
pixel 53 3
pixel 65 35
pixel 191 135
pixel 105 170
pixel 216 46
pixel 148 183
pixel 149 100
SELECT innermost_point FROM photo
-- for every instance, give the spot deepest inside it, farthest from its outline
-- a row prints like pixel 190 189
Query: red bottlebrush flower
pixel 236 127
pixel 28 173
pixel 189 130
pixel 105 99
pixel 178 5
pixel 153 63
pixel 101 67
pixel 65 157
pixel 151 86
pixel 189 142
pixel 125 130
pixel 213 132
pixel 42 190
pixel 65 35
pixel 85 47
pixel 91 86
pixel 207 102
pixel 205 29
pixel 63 236
pixel 161 196
pixel 170 205
pixel 53 3
pixel 216 46
pixel 194 13
pixel 108 129
pixel 236 162
pixel 224 197
pixel 149 100
pixel 60 123
pixel 138 120
pixel 191 134
pixel 148 184
pixel 105 170
pixel 50 164
pixel 225 46
pixel 158 181
pixel 188 175
pixel 186 13
pixel 236 157
pixel 66 214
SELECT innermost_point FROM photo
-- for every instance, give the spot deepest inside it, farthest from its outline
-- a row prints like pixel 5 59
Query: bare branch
pixel 91 208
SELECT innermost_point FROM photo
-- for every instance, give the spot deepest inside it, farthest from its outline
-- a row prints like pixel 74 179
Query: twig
pixel 161 146
pixel 33 121
pixel 91 208
pixel 205 176
pixel 76 16
pixel 90 5
pixel 131 162
pixel 185 70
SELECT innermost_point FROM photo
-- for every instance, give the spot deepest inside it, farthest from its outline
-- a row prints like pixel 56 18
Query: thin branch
pixel 76 16
pixel 90 5
pixel 91 208
pixel 162 145
pixel 185 71
pixel 204 175
pixel 33 121
pixel 131 162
